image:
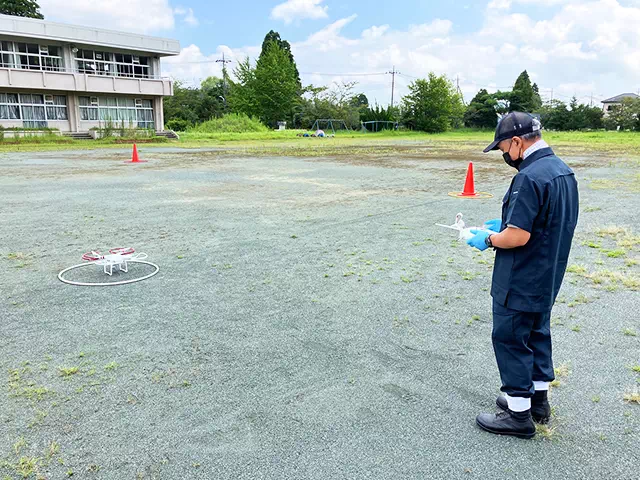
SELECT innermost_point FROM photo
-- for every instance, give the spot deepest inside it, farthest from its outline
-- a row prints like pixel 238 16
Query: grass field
pixel 610 143
pixel 309 320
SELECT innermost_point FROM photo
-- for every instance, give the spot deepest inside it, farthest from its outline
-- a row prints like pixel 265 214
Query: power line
pixel 343 74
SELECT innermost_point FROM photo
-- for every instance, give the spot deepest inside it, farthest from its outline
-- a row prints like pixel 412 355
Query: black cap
pixel 514 124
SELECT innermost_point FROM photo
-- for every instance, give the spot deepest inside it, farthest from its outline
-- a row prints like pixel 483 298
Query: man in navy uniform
pixel 539 216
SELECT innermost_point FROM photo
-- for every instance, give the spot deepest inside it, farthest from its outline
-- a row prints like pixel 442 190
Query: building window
pixel 130 112
pixel 30 56
pixel 32 108
pixel 9 106
pixel 112 64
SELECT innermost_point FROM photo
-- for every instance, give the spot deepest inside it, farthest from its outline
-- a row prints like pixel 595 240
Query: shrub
pixel 178 125
pixel 231 123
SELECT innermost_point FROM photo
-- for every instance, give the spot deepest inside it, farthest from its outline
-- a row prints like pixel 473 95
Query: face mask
pixel 512 163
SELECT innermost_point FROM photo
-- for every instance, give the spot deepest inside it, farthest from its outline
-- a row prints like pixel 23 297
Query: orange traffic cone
pixel 469 190
pixel 134 157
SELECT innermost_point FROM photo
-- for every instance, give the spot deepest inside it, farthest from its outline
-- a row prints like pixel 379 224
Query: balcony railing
pixel 71 80
pixel 44 68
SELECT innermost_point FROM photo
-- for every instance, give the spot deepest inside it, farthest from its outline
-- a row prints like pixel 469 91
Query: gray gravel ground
pixel 309 321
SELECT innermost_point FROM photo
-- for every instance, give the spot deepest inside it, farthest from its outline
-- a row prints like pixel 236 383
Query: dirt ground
pixel 309 320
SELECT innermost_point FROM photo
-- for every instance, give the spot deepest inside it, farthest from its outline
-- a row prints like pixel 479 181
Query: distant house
pixel 610 103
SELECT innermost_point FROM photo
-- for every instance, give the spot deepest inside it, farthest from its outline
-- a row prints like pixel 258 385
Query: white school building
pixel 75 78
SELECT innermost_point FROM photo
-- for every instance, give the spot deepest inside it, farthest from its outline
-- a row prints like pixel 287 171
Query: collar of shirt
pixel 539 145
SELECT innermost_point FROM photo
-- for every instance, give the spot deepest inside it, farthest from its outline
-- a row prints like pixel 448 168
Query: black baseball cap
pixel 514 124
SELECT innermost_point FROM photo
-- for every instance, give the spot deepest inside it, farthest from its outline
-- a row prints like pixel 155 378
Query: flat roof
pixel 62 32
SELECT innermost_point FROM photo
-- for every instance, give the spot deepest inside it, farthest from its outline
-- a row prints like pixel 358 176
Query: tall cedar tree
pixel 21 8
pixel 276 88
pixel 274 36
pixel 523 96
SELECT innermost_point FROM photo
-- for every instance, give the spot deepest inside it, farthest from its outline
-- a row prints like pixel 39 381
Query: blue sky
pixel 569 47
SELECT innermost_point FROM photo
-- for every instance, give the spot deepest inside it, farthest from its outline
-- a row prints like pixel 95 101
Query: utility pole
pixel 551 96
pixel 224 62
pixel 459 90
pixel 591 103
pixel 393 82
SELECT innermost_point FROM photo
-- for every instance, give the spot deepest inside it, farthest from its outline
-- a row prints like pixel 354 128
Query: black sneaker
pixel 516 424
pixel 540 408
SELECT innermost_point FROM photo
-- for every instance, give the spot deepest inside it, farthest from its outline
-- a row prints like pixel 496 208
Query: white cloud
pixel 375 32
pixel 329 37
pixel 499 4
pixel 567 51
pixel 437 27
pixel 144 16
pixel 188 16
pixel 293 10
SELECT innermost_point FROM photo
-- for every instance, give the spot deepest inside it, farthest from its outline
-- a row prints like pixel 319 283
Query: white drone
pixel 118 258
pixel 464 233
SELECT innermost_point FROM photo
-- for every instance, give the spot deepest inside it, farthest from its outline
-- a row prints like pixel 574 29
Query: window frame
pixel 33 56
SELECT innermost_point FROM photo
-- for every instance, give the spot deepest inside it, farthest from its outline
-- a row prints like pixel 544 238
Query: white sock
pixel 518 404
pixel 541 386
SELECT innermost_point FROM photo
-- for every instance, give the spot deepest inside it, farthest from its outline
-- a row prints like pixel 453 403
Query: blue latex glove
pixel 495 224
pixel 478 239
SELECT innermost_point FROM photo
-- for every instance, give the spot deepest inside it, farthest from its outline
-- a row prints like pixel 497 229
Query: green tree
pixel 554 115
pixel 537 99
pixel 338 103
pixel 181 105
pixel 360 100
pixel 274 36
pixel 523 96
pixel 625 116
pixel 432 105
pixel 192 105
pixel 21 8
pixel 276 89
pixel 557 115
pixel 243 97
pixel 481 112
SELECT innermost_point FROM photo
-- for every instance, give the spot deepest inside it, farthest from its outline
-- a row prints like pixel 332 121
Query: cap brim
pixel 493 146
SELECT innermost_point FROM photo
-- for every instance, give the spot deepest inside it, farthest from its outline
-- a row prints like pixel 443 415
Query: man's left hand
pixel 479 239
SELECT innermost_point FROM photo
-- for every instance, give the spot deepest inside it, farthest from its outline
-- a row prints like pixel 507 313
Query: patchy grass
pixel 111 366
pixel 627 280
pixel 562 370
pixel 628 332
pixel 68 371
pixel 616 253
pixel 581 299
pixel 632 397
pixel 547 432
pixel 578 269
pixel 611 231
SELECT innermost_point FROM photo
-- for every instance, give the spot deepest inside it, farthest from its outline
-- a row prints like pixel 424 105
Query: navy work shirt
pixel 543 200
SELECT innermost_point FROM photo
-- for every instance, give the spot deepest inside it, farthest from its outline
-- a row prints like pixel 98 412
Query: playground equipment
pixel 378 125
pixel 329 123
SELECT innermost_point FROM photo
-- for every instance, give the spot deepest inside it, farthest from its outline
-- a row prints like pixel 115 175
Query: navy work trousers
pixel 522 344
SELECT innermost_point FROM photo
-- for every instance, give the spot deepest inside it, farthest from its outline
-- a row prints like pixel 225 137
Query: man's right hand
pixel 494 225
